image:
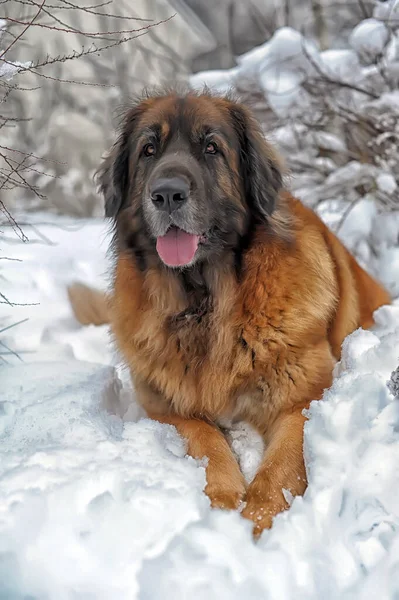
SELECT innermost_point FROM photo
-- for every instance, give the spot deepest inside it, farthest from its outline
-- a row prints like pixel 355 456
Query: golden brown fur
pixel 259 347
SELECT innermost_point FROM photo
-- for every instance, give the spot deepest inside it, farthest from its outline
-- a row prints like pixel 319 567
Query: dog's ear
pixel 113 174
pixel 260 166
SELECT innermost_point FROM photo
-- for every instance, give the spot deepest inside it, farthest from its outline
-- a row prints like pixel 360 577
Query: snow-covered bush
pixel 239 25
pixel 335 116
pixel 12 167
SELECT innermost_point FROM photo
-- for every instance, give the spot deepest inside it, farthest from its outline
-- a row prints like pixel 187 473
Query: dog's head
pixel 187 178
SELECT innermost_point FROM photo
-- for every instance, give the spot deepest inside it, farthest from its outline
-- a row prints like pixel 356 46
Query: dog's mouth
pixel 177 248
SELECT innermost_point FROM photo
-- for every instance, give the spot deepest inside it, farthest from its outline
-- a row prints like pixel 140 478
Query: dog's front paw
pixel 261 509
pixel 225 499
pixel 226 486
pixel 261 515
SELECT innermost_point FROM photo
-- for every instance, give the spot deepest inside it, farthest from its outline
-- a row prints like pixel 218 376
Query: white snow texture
pixel 97 502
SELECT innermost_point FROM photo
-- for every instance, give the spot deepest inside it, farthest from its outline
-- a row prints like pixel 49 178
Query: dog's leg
pixel 282 468
pixel 225 482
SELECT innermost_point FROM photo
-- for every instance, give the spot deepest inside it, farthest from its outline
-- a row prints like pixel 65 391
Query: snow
pixel 341 539
pixel 387 10
pixel 84 497
pixel 221 81
pixel 98 502
pixel 281 86
pixel 59 251
pixel 280 66
pixel 9 69
pixel 369 38
pixel 328 141
pixel 247 446
pixel 386 183
pixel 340 142
pixel 340 64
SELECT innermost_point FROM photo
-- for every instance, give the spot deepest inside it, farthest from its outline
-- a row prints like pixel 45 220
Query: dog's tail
pixel 90 306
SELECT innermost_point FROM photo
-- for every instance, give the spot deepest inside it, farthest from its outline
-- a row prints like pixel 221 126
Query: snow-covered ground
pixel 98 502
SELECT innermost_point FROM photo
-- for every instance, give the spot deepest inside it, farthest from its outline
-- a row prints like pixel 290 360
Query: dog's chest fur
pixel 179 338
pixel 235 351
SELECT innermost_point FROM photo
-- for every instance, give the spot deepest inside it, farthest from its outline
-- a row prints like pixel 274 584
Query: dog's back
pixel 359 294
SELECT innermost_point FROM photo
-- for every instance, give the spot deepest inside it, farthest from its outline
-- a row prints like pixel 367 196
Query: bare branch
pixel 14 224
pixel 88 34
pixel 13 325
pixel 29 24
pixel 325 78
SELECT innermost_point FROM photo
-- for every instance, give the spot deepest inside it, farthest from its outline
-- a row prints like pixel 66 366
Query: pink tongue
pixel 177 247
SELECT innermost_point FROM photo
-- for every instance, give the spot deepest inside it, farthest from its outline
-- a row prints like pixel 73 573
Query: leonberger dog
pixel 230 298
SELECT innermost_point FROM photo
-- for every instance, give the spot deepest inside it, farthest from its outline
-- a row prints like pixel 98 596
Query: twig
pixel 363 9
pixel 9 351
pixel 326 78
pixel 13 325
pixel 346 213
pixel 13 222
pixel 84 33
pixel 92 10
pixel 7 301
pixel 16 170
pixel 76 55
pixel 22 32
pixel 30 155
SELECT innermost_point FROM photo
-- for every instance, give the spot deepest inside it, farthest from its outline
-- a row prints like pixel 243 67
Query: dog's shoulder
pixel 294 273
pixel 357 293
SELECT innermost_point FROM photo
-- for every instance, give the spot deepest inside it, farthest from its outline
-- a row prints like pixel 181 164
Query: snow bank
pixel 97 504
pixel 60 250
pixel 84 497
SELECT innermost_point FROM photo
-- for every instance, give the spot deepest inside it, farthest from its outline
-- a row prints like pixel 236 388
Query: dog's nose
pixel 169 193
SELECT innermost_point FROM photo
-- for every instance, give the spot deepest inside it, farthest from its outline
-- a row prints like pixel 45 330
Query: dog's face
pixel 187 177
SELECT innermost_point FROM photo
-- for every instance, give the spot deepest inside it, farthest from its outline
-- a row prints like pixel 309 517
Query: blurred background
pixel 321 75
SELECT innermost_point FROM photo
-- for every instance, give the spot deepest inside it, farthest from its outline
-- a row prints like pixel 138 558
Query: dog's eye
pixel 211 148
pixel 149 150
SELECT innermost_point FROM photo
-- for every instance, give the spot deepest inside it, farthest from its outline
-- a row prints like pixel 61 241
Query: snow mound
pixel 60 250
pixel 84 497
pixel 369 38
pixel 36 401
